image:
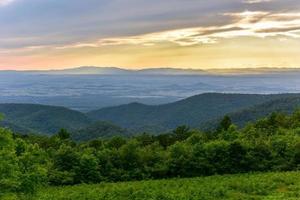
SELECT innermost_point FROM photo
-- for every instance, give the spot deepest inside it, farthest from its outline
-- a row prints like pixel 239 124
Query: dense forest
pixel 28 162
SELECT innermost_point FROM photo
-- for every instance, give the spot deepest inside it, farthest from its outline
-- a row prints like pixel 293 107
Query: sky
pixel 135 34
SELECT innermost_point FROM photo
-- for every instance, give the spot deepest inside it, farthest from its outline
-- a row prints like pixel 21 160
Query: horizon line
pixel 147 68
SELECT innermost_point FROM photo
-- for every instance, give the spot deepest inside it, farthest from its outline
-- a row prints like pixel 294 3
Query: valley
pixel 88 90
pixel 200 111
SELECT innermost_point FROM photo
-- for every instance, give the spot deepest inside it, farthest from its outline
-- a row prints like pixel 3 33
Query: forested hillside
pixel 194 111
pixel 99 130
pixel 284 105
pixel 15 128
pixel 201 111
pixel 42 119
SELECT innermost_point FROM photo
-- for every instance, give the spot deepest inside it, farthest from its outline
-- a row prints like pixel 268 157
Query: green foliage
pixel 275 186
pixel 63 134
pixel 270 144
pixel 88 170
pixel 99 130
pixel 23 167
pixel 9 169
pixel 65 161
pixel 225 123
pixel 1 116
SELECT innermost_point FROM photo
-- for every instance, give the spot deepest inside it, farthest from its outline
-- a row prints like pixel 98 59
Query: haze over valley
pixel 90 88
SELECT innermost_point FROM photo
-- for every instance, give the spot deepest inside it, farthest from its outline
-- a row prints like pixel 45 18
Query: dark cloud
pixel 278 30
pixel 61 22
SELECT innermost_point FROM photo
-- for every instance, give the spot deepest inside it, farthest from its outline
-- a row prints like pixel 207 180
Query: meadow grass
pixel 267 186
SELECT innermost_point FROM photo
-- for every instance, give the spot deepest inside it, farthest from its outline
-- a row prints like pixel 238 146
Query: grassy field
pixel 249 186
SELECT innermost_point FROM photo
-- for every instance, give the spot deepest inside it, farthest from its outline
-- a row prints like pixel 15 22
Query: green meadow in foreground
pixel 248 186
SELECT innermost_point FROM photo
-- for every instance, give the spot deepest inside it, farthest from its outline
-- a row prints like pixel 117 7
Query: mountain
pixel 94 70
pixel 284 105
pixel 255 71
pixel 194 111
pixel 43 119
pixel 99 130
pixel 88 70
pixel 14 128
pixel 119 71
pixel 171 71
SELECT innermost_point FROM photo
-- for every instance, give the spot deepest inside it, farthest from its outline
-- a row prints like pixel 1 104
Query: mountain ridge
pixel 95 70
pixel 193 111
pixel 42 118
pixel 199 111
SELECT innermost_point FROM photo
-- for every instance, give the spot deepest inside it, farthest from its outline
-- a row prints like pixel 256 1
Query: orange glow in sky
pixel 187 34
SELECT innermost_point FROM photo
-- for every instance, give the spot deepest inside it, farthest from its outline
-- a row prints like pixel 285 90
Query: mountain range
pixel 93 70
pixel 200 111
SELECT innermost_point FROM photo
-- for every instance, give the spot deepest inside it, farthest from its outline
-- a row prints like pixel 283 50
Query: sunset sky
pixel 200 34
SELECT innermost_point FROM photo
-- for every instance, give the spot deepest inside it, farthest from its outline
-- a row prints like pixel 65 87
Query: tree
pixel 153 160
pixel 237 154
pixel 22 166
pixel 1 116
pixel 180 157
pixel 217 154
pixel 33 163
pixel 165 140
pixel 116 142
pixel 182 133
pixel 145 139
pixel 88 170
pixel 9 168
pixel 225 123
pixel 63 134
pixel 65 161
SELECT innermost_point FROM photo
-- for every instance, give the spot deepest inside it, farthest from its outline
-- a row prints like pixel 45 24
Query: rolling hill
pixel 15 128
pixel 200 111
pixel 99 130
pixel 194 111
pixel 285 105
pixel 41 118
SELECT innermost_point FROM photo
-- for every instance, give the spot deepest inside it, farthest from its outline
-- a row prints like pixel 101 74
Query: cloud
pixel 257 24
pixel 257 1
pixel 5 2
pixel 52 21
pixel 61 25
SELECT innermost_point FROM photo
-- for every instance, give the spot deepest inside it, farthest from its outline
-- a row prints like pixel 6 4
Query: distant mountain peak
pixel 88 70
pixel 116 71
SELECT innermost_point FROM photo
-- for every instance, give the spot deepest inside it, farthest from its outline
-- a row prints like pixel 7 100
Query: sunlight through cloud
pixel 249 23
